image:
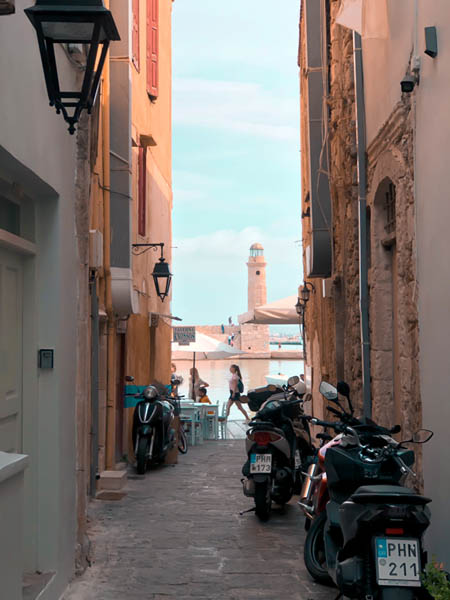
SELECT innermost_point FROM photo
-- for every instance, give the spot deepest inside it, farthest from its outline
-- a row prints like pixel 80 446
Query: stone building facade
pixel 405 213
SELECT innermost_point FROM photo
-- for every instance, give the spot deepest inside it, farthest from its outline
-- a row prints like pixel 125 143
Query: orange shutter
pixel 152 48
pixel 142 185
pixel 136 34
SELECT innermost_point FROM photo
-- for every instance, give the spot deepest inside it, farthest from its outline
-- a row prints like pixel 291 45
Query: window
pixel 142 191
pixel 9 216
pixel 389 206
pixel 152 48
pixel 135 41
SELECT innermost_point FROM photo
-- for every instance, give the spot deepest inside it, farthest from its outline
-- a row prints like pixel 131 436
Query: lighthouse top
pixel 256 249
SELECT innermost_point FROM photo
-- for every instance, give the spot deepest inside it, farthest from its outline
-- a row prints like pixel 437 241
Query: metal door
pixel 11 280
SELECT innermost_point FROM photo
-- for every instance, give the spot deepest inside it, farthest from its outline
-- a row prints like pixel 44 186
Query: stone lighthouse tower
pixel 257 290
pixel 255 338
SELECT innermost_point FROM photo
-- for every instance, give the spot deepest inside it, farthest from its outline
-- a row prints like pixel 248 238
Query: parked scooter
pixel 274 450
pixel 367 539
pixel 153 431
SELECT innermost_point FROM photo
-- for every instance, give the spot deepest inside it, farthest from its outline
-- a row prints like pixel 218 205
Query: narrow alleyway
pixel 178 534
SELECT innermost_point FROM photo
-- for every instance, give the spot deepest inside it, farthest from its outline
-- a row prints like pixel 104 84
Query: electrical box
pixel 45 358
pixel 95 249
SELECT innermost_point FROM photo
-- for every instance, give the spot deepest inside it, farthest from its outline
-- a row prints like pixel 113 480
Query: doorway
pixel 11 351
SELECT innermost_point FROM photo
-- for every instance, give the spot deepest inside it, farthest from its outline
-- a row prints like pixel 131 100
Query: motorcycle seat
pixel 391 494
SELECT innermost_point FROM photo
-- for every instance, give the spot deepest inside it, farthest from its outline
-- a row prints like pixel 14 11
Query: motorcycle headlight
pixel 150 392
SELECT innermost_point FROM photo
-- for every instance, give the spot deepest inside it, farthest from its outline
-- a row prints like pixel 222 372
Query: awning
pixel 280 312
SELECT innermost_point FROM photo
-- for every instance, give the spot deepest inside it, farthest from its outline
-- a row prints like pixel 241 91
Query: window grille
pixel 389 206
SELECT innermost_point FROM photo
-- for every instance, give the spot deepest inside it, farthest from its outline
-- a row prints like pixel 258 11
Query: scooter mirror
pixel 422 435
pixel 343 388
pixel 129 378
pixel 293 380
pixel 328 391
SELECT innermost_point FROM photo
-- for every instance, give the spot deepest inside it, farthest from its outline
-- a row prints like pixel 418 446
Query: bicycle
pixel 182 438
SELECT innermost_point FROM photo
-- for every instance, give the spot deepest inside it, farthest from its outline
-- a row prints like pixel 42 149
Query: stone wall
pixel 394 327
pixel 332 318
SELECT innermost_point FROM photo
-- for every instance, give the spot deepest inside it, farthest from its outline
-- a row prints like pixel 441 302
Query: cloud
pixel 243 108
pixel 212 266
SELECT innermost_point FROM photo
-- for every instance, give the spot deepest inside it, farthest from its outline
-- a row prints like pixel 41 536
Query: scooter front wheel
pixel 314 551
pixel 263 501
pixel 142 455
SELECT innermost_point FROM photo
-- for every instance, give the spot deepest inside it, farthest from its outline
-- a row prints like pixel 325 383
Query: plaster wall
pixel 433 246
pixel 38 155
pixel 386 61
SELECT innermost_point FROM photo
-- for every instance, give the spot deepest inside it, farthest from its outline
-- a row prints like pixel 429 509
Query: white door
pixel 11 279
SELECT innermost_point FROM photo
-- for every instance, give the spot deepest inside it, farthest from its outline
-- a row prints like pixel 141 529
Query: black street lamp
pixel 300 307
pixel 73 22
pixel 162 276
pixel 305 292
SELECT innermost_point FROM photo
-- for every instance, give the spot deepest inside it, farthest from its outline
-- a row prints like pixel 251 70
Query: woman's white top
pixel 233 382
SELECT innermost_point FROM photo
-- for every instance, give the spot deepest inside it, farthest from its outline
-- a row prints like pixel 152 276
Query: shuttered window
pixel 152 48
pixel 135 40
pixel 142 200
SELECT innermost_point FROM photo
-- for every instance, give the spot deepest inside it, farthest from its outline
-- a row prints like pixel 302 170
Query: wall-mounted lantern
pixel 85 22
pixel 300 307
pixel 162 276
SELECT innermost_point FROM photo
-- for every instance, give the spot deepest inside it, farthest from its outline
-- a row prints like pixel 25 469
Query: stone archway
pixel 392 278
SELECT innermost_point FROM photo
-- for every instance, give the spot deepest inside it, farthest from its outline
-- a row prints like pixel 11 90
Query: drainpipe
pixel 110 373
pixel 94 385
pixel 362 185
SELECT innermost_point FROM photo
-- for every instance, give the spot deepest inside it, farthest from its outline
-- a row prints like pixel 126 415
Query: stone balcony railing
pixel 12 468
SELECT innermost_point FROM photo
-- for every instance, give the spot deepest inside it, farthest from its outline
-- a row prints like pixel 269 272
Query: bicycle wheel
pixel 182 440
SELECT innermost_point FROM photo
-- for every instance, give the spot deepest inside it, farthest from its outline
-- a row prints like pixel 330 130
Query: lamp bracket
pixel 138 249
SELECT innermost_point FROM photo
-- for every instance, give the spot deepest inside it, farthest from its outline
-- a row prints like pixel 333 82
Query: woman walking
pixel 235 394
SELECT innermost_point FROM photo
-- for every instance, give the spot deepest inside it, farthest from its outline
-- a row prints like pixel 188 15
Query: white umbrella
pixel 280 312
pixel 207 347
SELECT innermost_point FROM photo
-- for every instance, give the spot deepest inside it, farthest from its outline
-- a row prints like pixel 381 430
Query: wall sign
pixel 184 335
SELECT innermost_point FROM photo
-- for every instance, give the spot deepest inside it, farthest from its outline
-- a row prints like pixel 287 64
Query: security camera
pixel 407 84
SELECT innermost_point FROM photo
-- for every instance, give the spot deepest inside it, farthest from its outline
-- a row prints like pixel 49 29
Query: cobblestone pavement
pixel 178 534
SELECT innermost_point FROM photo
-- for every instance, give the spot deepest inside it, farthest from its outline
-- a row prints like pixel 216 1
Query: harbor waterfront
pixel 217 373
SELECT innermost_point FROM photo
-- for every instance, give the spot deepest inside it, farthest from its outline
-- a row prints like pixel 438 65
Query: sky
pixel 236 153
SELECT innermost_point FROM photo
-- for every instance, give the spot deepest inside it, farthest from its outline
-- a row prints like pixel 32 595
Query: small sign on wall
pixel 184 335
pixel 45 358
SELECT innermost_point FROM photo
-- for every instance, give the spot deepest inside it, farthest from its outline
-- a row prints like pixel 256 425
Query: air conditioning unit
pixel 95 249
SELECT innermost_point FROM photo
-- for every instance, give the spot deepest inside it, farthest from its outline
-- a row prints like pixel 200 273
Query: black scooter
pixel 275 449
pixel 369 538
pixel 153 431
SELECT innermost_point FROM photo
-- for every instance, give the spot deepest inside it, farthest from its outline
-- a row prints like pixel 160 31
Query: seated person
pixel 203 397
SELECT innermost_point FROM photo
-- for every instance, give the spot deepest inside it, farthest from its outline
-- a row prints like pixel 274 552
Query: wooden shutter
pixel 135 40
pixel 152 48
pixel 142 184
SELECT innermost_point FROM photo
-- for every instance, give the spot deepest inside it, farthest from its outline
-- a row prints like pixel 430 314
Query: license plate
pixel 298 460
pixel 398 562
pixel 260 463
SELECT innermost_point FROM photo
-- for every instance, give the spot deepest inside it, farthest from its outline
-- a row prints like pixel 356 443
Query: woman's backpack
pixel 240 386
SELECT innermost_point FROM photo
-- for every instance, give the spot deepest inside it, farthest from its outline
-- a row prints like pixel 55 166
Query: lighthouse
pixel 254 337
pixel 257 289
